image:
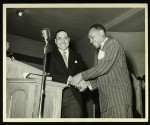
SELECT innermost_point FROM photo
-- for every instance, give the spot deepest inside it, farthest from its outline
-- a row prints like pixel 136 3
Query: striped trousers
pixel 120 111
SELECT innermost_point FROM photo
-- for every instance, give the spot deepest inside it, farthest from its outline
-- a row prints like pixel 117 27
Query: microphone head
pixel 46 34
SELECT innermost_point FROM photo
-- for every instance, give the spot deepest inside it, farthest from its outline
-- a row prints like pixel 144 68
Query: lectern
pixel 23 96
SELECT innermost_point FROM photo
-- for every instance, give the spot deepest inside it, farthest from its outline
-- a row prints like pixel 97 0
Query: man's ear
pixel 68 39
pixel 101 32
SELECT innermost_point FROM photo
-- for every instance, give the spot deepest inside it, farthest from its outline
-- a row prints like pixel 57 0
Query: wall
pixel 27 47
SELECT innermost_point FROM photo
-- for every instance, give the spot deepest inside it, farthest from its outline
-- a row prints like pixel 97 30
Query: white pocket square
pixel 101 54
pixel 75 61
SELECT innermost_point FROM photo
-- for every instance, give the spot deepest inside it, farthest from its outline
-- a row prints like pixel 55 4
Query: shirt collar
pixel 61 51
pixel 102 44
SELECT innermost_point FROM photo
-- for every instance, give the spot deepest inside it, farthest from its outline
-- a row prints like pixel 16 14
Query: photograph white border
pixel 85 5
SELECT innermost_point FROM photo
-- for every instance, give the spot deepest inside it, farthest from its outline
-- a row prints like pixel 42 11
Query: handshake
pixel 78 82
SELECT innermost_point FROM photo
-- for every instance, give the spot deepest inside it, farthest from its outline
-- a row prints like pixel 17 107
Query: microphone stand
pixel 42 91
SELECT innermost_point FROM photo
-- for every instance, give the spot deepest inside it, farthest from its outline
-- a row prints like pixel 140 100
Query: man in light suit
pixel 62 65
pixel 110 74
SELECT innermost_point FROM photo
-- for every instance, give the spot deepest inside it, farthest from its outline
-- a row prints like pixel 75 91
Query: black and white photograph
pixel 75 62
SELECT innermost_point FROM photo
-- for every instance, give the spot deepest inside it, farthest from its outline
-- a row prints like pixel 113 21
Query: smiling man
pixel 62 65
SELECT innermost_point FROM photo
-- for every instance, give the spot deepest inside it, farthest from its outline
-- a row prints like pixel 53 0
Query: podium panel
pixel 23 95
pixel 53 99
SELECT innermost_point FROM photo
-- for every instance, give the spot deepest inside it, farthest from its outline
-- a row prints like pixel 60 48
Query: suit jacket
pixel 60 73
pixel 138 94
pixel 112 76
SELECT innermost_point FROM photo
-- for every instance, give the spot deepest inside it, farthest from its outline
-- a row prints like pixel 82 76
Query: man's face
pixel 62 40
pixel 96 37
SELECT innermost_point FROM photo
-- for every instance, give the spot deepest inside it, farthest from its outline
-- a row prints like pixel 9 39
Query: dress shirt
pixel 67 52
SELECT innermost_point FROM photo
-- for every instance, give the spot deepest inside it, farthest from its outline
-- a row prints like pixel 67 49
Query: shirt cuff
pixel 69 80
pixel 89 85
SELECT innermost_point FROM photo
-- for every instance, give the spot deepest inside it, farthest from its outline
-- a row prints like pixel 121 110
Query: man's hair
pixel 98 27
pixel 61 31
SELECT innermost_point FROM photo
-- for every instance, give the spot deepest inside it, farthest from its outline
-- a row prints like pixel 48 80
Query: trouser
pixel 70 106
pixel 120 111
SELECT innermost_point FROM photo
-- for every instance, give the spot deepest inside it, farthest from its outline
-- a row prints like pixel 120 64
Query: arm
pixel 105 64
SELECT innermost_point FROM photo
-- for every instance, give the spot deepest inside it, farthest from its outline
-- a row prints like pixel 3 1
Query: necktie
pixel 65 59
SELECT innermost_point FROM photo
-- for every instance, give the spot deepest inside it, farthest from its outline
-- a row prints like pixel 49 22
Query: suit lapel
pixel 71 58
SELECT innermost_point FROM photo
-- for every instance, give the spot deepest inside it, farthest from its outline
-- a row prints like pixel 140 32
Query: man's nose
pixel 63 40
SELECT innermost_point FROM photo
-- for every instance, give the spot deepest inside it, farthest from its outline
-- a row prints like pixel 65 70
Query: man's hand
pixel 75 80
pixel 82 86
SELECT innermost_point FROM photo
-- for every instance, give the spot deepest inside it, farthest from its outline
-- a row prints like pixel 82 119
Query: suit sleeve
pixel 56 75
pixel 105 64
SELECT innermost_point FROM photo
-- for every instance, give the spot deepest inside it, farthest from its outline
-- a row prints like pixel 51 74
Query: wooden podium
pixel 23 97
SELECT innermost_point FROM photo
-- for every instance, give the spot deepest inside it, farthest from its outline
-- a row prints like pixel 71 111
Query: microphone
pixel 46 34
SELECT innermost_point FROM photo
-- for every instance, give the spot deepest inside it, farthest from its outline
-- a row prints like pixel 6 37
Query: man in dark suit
pixel 111 75
pixel 63 64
